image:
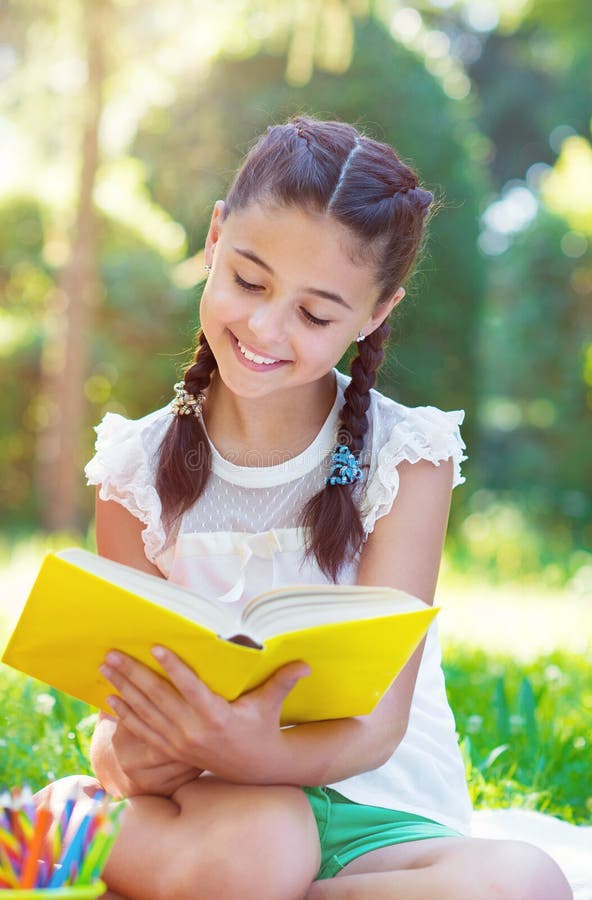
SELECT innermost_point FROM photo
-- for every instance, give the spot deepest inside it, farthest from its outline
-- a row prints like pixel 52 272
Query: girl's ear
pixel 381 312
pixel 214 231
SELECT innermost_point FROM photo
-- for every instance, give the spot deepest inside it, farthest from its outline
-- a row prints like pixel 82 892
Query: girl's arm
pixel 241 741
pixel 404 551
pixel 124 765
pixel 119 536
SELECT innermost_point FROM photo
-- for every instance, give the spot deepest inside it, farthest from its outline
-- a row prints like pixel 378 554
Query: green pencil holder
pixel 83 892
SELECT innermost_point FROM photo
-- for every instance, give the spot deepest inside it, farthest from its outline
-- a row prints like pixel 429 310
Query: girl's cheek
pixel 216 307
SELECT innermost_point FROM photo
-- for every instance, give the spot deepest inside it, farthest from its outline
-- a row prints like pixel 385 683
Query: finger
pixel 132 751
pixel 150 683
pixel 150 708
pixel 142 676
pixel 136 725
pixel 275 690
pixel 187 682
pixel 171 770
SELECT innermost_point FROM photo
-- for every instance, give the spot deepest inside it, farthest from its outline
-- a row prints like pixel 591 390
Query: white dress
pixel 241 538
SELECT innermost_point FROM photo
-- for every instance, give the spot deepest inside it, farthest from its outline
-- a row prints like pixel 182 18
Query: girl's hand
pixel 139 768
pixel 238 741
pixel 146 769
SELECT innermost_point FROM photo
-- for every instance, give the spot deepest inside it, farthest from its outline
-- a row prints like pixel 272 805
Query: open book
pixel 356 639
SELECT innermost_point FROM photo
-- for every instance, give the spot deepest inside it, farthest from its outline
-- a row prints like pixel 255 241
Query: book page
pixel 304 606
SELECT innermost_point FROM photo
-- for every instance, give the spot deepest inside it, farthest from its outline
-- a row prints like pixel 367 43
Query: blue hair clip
pixel 344 467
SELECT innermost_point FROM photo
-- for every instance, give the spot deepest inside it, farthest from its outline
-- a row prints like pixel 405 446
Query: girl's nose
pixel 268 324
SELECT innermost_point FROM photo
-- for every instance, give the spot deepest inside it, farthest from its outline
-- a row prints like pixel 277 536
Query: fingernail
pixel 107 671
pixel 114 658
pixel 158 652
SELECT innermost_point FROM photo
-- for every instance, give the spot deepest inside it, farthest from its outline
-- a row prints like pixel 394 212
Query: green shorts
pixel 348 830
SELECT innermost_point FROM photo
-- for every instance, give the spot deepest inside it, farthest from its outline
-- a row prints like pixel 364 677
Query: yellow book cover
pixel 356 639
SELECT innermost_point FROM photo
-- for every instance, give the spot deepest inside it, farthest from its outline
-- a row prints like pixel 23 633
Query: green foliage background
pixel 504 335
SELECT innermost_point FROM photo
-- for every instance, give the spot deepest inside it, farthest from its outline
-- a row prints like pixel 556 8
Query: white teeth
pixel 253 356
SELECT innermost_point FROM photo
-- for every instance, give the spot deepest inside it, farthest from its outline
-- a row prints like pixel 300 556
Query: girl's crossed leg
pixel 213 839
pixel 217 839
pixel 448 868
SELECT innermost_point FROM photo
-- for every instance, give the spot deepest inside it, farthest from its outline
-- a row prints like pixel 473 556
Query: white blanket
pixel 569 845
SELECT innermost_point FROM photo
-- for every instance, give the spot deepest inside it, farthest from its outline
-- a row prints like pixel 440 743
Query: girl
pixel 232 495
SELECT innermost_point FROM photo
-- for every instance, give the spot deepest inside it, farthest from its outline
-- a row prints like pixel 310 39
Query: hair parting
pixel 342 175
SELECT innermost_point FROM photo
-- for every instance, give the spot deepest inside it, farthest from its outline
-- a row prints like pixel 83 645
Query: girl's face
pixel 284 299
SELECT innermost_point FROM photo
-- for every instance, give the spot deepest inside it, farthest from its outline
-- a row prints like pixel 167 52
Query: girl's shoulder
pixel 417 432
pixel 127 448
pixel 124 466
pixel 398 432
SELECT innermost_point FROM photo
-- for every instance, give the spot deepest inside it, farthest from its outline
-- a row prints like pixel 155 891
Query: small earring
pixel 208 268
pixel 360 337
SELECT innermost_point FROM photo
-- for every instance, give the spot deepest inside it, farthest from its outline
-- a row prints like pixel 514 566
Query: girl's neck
pixel 281 425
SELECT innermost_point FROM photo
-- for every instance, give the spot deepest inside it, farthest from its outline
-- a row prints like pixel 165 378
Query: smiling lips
pixel 256 360
pixel 255 357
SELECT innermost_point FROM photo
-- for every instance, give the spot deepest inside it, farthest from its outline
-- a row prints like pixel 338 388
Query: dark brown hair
pixel 332 168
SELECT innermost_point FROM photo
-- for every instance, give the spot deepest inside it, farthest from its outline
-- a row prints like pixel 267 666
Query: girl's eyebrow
pixel 328 295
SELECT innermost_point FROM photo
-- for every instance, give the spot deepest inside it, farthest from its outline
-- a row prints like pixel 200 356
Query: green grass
pixel 525 729
pixel 517 675
pixel 45 734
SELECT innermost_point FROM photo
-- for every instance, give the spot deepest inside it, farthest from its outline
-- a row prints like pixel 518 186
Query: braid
pixel 184 454
pixel 197 375
pixel 357 394
pixel 331 519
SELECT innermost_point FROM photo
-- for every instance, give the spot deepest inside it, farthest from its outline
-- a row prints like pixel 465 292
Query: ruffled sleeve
pixel 124 465
pixel 423 432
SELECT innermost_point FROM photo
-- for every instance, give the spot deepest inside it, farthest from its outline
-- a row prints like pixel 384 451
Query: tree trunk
pixel 65 358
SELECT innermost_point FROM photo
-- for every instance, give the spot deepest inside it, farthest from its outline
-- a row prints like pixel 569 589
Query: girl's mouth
pixel 251 363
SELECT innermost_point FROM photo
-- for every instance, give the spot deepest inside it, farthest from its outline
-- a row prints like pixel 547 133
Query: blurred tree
pixel 533 82
pixel 65 357
pixel 59 54
pixel 531 68
pixel 537 349
pixel 532 72
pixel 25 281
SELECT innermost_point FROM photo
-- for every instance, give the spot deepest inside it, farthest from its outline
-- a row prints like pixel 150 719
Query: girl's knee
pixel 267 852
pixel 521 871
pixel 235 876
pixel 57 792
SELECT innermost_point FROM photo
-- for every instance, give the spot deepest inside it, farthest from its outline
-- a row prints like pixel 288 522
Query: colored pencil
pixel 43 820
pixel 41 848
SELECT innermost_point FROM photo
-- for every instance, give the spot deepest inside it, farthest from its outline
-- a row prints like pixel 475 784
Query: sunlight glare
pixel 121 193
pixel 516 209
pixel 567 189
pixel 481 15
pixel 406 24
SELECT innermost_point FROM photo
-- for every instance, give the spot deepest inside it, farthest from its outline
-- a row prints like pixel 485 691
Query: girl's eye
pixel 246 285
pixel 313 319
